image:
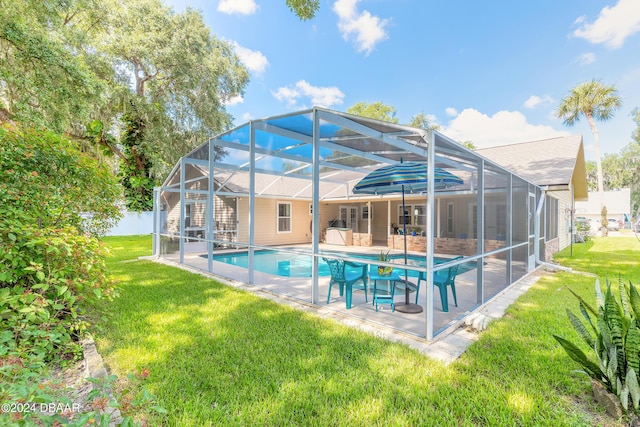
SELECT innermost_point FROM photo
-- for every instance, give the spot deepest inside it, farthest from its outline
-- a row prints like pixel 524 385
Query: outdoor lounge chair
pixel 442 279
pixel 344 277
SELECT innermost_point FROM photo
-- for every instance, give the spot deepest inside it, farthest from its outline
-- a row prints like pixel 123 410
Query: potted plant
pixel 384 270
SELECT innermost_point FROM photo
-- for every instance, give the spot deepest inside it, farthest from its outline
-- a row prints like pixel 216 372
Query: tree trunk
pixel 596 141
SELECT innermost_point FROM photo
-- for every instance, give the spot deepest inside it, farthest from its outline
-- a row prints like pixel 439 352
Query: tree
pixel 46 183
pixel 174 76
pixel 424 121
pixel 80 66
pixel 376 110
pixel 636 133
pixel 619 171
pixel 44 80
pixel 596 102
pixel 304 9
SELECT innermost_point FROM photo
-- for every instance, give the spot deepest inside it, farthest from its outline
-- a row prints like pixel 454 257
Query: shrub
pixel 47 183
pixel 31 398
pixel 48 276
pixel 50 265
pixel 613 335
pixel 583 229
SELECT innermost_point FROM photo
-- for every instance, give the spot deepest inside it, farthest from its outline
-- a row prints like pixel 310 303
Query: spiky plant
pixel 612 333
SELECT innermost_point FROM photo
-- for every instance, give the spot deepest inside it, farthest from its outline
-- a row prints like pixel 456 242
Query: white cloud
pixel 319 96
pixel 367 29
pixel 504 127
pixel 613 25
pixel 254 60
pixel 535 101
pixel 241 7
pixel 586 58
pixel 233 101
pixel 287 94
pixel 451 112
pixel 246 117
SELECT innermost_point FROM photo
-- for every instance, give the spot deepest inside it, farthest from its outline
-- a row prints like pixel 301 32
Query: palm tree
pixel 597 102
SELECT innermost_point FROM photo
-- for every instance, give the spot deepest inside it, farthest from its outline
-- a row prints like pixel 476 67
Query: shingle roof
pixel 550 162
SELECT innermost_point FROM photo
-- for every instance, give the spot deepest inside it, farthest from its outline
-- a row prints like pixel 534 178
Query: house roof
pixel 554 163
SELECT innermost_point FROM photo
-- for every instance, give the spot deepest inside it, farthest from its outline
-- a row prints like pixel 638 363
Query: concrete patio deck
pixel 457 328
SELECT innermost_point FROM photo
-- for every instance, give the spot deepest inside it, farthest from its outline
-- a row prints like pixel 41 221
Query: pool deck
pixel 457 328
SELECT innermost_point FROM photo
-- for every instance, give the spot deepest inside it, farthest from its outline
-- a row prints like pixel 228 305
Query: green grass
pixel 221 356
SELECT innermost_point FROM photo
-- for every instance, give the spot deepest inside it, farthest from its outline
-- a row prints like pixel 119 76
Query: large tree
pixel 45 78
pixel 79 66
pixel 595 101
pixel 173 74
pixel 375 110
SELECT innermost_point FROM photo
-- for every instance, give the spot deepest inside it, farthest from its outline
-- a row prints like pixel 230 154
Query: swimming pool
pixel 299 266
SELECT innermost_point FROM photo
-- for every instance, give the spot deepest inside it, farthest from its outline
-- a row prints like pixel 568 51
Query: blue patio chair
pixel 442 279
pixel 344 277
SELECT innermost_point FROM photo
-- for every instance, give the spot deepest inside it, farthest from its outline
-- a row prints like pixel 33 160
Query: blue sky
pixel 489 72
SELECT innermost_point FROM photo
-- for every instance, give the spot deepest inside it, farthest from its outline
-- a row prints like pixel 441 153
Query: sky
pixel 491 72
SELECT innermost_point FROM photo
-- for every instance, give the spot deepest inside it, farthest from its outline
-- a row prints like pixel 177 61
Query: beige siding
pixel 564 217
pixel 266 222
pixel 224 212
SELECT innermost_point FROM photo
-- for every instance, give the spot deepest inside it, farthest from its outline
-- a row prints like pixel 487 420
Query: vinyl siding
pixel 564 217
pixel 266 222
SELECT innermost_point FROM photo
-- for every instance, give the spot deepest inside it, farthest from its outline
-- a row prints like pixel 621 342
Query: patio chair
pixel 442 279
pixel 344 277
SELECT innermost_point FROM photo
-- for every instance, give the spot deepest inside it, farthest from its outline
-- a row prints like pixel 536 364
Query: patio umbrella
pixel 404 177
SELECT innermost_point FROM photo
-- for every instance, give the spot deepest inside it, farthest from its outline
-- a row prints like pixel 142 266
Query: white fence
pixel 133 223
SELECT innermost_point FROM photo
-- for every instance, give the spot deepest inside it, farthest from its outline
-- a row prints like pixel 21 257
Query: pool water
pixel 299 266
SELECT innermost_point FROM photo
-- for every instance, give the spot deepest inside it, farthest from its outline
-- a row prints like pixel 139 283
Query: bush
pixel 50 263
pixel 30 399
pixel 612 333
pixel 583 229
pixel 46 183
pixel 48 276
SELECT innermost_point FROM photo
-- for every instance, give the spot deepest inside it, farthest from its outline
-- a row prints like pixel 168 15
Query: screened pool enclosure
pixel 265 202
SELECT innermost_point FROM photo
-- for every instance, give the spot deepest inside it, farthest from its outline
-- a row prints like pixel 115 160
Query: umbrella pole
pixel 406 307
pixel 406 273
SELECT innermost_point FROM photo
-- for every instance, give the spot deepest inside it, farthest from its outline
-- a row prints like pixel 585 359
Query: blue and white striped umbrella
pixel 409 177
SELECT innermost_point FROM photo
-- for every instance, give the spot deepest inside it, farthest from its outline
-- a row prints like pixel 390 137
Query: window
pixel 284 217
pixel 551 216
pixel 450 218
pixel 416 215
pixel 407 215
pixel 187 215
pixel 365 212
pixel 419 215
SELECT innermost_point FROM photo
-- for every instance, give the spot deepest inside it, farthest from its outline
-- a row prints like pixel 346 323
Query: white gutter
pixel 536 236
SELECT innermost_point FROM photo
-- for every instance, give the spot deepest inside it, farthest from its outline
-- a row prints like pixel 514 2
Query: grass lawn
pixel 221 356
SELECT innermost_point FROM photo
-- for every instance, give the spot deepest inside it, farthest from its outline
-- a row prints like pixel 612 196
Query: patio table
pixel 387 297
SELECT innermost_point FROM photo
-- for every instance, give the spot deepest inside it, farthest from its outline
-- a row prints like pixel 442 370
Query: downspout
pixel 536 236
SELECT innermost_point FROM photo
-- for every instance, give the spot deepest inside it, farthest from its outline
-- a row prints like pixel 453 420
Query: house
pixel 280 198
pixel 617 202
pixel 558 167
